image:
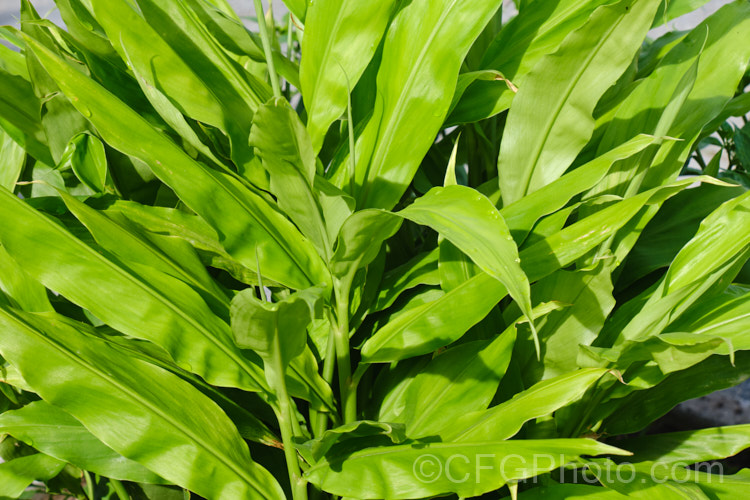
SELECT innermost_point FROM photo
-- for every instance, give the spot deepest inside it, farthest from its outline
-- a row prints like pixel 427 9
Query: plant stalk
pixel 343 358
pixel 90 493
pixel 320 426
pixel 119 489
pixel 285 418
pixel 266 39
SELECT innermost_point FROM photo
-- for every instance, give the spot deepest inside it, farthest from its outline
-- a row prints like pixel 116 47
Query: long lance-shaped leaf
pixel 14 159
pixel 255 233
pixel 281 141
pixel 130 405
pixel 61 121
pixel 726 316
pixel 160 66
pixel 17 475
pixel 411 470
pixel 589 294
pixel 19 109
pixel 438 323
pixel 409 111
pixel 722 235
pixel 525 39
pixel 650 107
pixel 57 434
pixel 723 63
pixel 640 408
pixel 468 219
pixel 155 307
pixel 722 239
pixel 534 151
pixel 237 90
pixel 458 381
pixel 524 213
pixel 240 42
pixel 131 247
pixel 503 421
pixel 341 37
pixel 689 446
pixel 421 270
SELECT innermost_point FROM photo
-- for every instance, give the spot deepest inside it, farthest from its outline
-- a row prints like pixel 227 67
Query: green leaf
pixel 86 156
pixel 542 399
pixel 199 450
pixel 420 270
pixel 676 8
pixel 19 113
pixel 55 433
pixel 274 330
pixel 435 324
pixel 421 470
pixel 562 332
pixel 470 221
pixel 60 120
pixel 347 434
pixel 408 113
pixel 17 474
pixel 341 37
pixel 440 322
pixel 726 316
pixel 722 235
pixel 671 228
pixel 524 213
pixel 537 149
pixel 689 447
pixel 360 239
pixel 26 292
pixel 297 7
pixel 197 84
pixel 722 65
pixel 650 107
pixel 150 305
pixel 256 233
pixel 638 409
pixel 14 159
pixel 281 141
pixel 460 380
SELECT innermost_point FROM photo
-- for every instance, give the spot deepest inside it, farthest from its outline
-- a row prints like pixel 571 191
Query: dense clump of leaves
pixel 394 249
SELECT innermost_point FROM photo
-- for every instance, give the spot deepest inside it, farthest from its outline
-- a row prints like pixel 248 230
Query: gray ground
pixel 722 408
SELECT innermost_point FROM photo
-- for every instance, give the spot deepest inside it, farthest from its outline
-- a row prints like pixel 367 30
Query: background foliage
pixel 296 260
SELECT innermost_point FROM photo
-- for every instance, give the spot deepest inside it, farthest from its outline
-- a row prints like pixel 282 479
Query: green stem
pixel 289 46
pixel 343 359
pixel 89 485
pixel 266 39
pixel 119 489
pixel 328 367
pixel 285 418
